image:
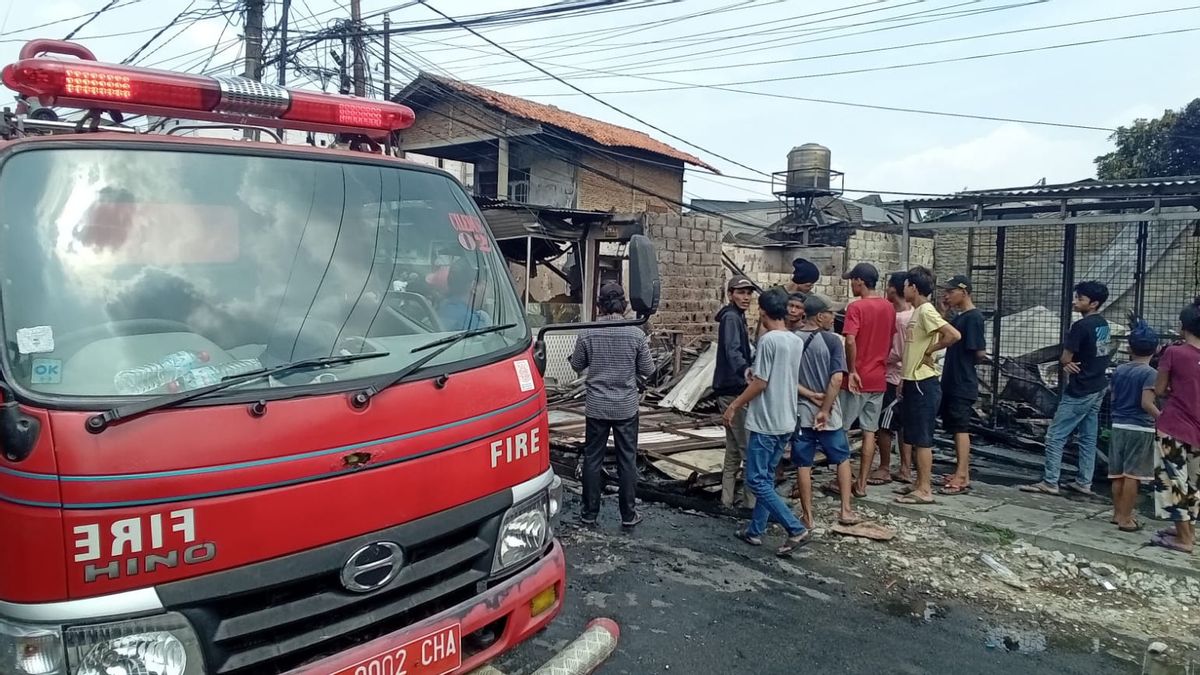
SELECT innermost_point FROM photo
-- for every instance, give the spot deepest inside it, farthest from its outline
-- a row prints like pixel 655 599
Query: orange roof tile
pixel 600 132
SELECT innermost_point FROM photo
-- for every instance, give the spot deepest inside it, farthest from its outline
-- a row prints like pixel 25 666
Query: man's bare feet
pixel 879 476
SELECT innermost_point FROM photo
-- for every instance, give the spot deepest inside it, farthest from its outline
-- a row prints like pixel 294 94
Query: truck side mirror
pixel 645 286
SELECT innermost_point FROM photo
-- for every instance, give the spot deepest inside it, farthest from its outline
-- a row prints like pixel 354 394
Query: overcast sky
pixel 813 42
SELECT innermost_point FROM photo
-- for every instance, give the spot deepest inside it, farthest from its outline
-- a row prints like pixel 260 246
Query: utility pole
pixel 283 51
pixel 360 74
pixel 387 58
pixel 254 24
pixel 283 41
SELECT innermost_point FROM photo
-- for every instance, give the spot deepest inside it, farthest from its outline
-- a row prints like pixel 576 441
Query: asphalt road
pixel 690 598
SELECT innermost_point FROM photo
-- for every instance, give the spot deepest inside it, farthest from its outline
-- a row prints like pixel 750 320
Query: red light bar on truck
pixel 86 83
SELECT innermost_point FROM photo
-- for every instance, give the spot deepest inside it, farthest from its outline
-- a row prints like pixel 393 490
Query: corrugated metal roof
pixel 603 133
pixel 1170 185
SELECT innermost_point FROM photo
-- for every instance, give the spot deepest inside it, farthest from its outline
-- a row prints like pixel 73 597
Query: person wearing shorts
pixel 1177 462
pixel 927 333
pixel 868 329
pixel 960 379
pixel 1134 410
pixel 890 420
pixel 819 415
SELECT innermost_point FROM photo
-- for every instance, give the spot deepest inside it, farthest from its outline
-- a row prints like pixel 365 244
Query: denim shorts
pixel 919 410
pixel 832 442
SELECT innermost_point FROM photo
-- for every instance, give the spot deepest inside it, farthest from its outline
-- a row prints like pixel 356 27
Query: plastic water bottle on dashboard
pixel 152 376
pixel 206 375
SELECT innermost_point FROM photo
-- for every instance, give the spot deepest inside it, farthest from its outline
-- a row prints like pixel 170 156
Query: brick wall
pixel 770 267
pixel 689 262
pixel 882 250
pixel 600 193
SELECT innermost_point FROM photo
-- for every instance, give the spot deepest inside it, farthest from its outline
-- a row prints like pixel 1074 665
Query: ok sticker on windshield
pixel 471 234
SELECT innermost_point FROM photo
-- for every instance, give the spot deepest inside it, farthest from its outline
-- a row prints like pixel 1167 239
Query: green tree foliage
pixel 1165 146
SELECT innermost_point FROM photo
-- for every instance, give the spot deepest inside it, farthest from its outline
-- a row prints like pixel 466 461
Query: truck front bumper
pixel 510 602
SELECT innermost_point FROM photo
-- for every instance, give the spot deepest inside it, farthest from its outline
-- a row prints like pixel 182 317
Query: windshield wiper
pixel 101 421
pixel 362 397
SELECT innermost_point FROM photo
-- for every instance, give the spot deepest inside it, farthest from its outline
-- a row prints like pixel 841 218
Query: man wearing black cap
pixel 729 380
pixel 614 357
pixel 960 380
pixel 805 275
pixel 869 327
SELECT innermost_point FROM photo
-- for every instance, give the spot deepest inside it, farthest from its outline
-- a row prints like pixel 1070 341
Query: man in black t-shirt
pixel 960 380
pixel 1087 352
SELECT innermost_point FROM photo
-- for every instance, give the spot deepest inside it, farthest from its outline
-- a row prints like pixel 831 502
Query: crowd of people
pixel 880 375
pixel 799 387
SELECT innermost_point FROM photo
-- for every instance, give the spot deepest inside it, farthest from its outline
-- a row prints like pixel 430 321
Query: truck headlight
pixel 523 532
pixel 30 650
pixel 555 493
pixel 157 645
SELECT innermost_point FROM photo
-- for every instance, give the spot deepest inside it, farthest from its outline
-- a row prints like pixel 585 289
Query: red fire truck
pixel 267 408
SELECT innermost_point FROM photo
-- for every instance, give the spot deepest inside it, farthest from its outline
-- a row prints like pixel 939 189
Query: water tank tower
pixel 809 176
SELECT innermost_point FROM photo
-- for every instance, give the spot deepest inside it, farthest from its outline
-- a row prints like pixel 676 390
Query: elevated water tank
pixel 808 169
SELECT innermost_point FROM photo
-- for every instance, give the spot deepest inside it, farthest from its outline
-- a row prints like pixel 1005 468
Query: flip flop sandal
pixel 1169 543
pixel 795 493
pixel 831 489
pixel 953 490
pixel 914 500
pixel 850 523
pixel 901 479
pixel 745 536
pixel 856 494
pixel 1165 532
pixel 1039 487
pixel 878 481
pixel 1137 527
pixel 791 544
pixel 907 489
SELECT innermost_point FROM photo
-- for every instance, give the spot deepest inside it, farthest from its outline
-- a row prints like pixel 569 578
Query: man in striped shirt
pixel 614 357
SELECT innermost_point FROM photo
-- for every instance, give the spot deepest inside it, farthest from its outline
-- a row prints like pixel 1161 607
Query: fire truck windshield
pixel 145 271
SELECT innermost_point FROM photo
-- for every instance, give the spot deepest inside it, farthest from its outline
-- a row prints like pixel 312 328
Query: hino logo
pixel 372 567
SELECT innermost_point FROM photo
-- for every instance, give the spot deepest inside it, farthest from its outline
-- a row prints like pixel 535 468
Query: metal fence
pixel 1023 278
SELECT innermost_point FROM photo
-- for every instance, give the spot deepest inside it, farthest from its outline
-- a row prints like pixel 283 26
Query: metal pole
pixel 344 86
pixel 1068 283
pixel 254 24
pixel 528 269
pixel 904 238
pixel 281 77
pixel 360 73
pixel 387 57
pixel 1143 245
pixel 997 346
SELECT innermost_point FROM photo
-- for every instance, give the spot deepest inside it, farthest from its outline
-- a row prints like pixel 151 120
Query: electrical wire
pixel 465 104
pixel 805 29
pixel 894 66
pixel 858 52
pixel 91 18
pixel 592 97
pixel 138 52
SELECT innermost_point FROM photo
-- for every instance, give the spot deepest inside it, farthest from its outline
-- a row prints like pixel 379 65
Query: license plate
pixel 435 654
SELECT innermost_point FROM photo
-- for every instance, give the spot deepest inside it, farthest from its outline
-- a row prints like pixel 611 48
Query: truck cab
pixel 267 408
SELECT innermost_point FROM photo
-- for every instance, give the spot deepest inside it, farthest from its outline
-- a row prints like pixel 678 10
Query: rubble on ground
pixel 944 560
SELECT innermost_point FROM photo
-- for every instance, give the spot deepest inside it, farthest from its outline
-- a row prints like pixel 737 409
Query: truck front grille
pixel 276 615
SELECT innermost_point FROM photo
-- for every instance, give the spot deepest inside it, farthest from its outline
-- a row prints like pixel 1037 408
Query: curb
pixel 1049 542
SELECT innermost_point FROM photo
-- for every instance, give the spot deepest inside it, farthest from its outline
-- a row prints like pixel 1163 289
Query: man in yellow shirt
pixel 926 334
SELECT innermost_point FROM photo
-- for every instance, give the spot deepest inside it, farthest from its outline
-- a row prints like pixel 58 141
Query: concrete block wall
pixel 772 267
pixel 883 250
pixel 693 278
